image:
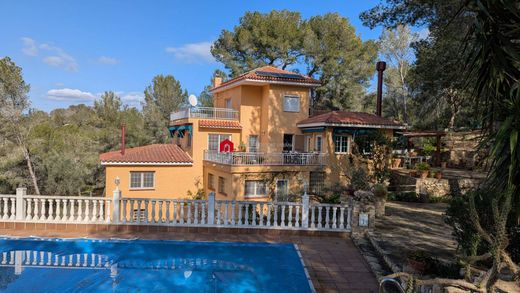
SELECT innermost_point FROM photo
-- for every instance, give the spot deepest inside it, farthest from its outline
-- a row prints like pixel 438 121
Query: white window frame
pixel 255 193
pixel 219 139
pixel 291 97
pixel 343 136
pixel 141 187
pixel 307 147
pixel 320 149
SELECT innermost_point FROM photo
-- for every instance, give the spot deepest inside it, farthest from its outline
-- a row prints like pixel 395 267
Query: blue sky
pixel 72 51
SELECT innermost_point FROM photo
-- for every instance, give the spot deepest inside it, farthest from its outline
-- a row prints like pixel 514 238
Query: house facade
pixel 259 142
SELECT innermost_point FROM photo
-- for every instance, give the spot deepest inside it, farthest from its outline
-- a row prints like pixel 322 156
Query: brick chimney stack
pixel 217 80
pixel 380 67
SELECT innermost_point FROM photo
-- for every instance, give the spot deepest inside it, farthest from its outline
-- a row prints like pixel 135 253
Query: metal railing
pixel 205 113
pixel 268 159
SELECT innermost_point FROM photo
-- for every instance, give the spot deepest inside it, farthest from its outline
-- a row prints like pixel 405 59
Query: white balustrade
pixel 205 113
pixel 267 159
pixel 67 209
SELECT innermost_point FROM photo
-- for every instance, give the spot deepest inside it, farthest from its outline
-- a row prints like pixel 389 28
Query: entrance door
pixel 288 142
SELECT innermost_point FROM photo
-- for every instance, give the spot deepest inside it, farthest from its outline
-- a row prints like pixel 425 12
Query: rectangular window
pixel 288 142
pixel 211 181
pixel 255 188
pixel 142 180
pixel 214 141
pixel 341 143
pixel 291 104
pixel 318 143
pixel 228 104
pixel 221 185
pixel 282 189
pixel 316 182
pixel 253 143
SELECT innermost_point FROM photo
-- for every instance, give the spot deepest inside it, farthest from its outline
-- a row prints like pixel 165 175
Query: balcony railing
pixel 205 113
pixel 267 159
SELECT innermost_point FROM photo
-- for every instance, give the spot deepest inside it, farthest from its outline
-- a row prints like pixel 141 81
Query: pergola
pixel 436 134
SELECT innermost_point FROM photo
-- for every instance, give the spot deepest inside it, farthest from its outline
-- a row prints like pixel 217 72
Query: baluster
pixel 43 216
pixel 51 216
pixel 327 216
pixel 87 210
pixel 13 208
pixel 123 210
pixel 65 210
pixel 181 206
pixel 71 216
pixel 146 214
pixel 219 207
pixel 297 218
pixel 80 211
pixel 36 209
pixel 203 217
pixel 283 216
pixel 334 220
pixel 313 217
pixel 95 211
pixel 349 218
pixel 160 211
pixel 102 210
pixel 253 214
pixel 189 213
pixel 261 215
pixel 290 220
pixel 226 204
pixel 239 214
pixel 174 212
pixel 342 217
pixel 320 218
pixel 167 211
pixel 196 213
pixel 29 209
pixel 269 215
pixel 49 258
pixel 153 210
pixel 246 216
pixel 5 200
pixel 275 210
pixel 233 205
pixel 131 219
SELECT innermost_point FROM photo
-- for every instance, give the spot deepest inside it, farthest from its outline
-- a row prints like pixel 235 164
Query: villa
pixel 259 141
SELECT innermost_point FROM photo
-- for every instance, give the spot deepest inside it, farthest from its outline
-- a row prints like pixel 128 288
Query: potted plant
pixel 242 147
pixel 423 169
pixel 380 193
pixel 438 175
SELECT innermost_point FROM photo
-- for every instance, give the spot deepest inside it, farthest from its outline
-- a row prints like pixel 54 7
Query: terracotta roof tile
pixel 220 124
pixel 253 74
pixel 148 154
pixel 345 117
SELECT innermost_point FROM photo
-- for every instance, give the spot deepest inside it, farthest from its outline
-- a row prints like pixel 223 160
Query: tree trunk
pixel 31 170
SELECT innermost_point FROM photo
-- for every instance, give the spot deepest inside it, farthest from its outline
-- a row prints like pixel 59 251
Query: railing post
pixel 116 206
pixel 305 209
pixel 21 192
pixel 211 208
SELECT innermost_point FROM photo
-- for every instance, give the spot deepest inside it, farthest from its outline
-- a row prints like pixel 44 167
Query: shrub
pixel 422 166
pixel 404 196
pixel 380 191
pixel 359 180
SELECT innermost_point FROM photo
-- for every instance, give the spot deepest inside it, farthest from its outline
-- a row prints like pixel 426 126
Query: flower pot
pixel 438 175
pixel 424 174
pixel 396 163
pixel 413 173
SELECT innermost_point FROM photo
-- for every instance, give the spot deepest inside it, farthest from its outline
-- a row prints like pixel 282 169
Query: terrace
pixel 266 159
pixel 205 113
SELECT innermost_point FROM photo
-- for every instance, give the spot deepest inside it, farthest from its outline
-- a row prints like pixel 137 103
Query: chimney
pixel 380 67
pixel 217 80
pixel 123 139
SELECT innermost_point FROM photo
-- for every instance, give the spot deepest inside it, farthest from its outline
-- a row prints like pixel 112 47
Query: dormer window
pixel 291 104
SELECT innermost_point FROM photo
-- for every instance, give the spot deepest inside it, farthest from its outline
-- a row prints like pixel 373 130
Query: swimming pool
pixel 77 265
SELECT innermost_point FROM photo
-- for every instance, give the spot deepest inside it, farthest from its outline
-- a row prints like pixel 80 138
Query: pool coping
pixel 311 285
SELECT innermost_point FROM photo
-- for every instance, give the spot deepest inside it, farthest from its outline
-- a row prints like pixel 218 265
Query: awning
pixel 313 129
pixel 180 129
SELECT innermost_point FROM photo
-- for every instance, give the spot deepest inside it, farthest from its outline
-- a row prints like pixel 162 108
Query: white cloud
pixel 107 60
pixel 423 33
pixel 29 47
pixel 193 53
pixel 70 95
pixel 133 99
pixel 52 55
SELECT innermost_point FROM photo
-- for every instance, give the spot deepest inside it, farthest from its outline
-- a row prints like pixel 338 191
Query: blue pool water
pixel 78 265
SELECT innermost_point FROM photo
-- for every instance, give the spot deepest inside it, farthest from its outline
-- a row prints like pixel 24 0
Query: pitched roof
pixel 273 74
pixel 154 154
pixel 220 124
pixel 351 119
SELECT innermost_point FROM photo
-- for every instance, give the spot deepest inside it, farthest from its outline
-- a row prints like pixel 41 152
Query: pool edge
pixel 311 285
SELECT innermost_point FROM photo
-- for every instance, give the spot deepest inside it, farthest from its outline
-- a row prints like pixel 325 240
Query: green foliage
pixel 434 267
pixel 381 158
pixel 380 191
pixel 359 180
pixel 422 166
pixel 404 196
pixel 326 45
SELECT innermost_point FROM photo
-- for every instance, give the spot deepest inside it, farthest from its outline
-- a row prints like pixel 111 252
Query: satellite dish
pixel 193 100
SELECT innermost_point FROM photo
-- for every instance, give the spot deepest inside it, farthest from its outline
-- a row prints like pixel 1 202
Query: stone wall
pixel 462 149
pixel 443 187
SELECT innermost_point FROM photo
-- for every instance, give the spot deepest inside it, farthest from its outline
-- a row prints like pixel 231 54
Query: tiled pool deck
pixel 333 262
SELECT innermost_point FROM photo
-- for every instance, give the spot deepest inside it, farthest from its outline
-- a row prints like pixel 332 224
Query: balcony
pixel 265 159
pixel 205 113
